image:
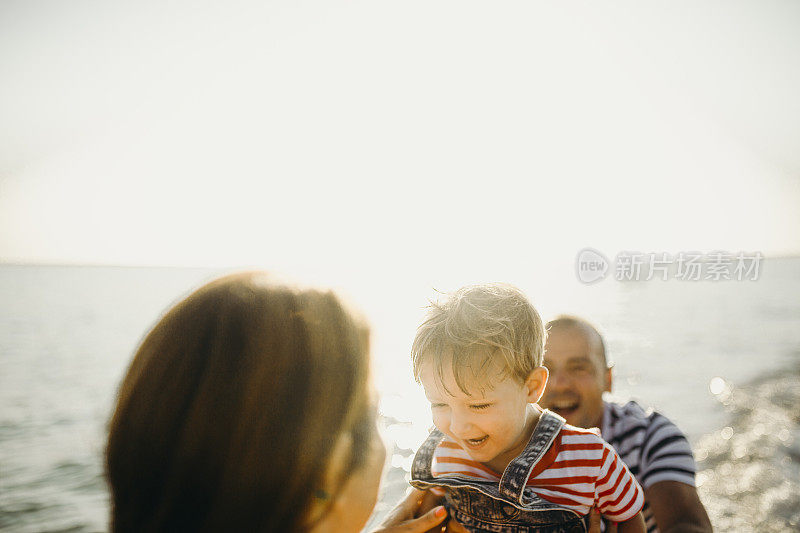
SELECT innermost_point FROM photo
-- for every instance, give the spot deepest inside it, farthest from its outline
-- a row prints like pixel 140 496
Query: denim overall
pixel 507 507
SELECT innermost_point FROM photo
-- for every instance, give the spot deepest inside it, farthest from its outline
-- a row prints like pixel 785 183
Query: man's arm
pixel 677 508
pixel 634 525
pixel 667 471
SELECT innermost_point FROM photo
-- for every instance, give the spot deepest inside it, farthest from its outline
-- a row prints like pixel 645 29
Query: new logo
pixel 591 266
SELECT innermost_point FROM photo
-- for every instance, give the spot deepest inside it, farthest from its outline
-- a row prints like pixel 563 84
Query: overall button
pixel 509 512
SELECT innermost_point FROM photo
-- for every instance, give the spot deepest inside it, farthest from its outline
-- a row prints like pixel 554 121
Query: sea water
pixel 722 359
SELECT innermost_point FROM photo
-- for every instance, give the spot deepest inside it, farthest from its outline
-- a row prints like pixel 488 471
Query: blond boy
pixel 507 465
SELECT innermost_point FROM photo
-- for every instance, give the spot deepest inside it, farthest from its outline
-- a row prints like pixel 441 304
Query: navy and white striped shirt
pixel 652 447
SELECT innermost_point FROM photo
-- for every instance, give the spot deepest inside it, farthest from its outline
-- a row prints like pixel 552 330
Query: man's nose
pixel 557 381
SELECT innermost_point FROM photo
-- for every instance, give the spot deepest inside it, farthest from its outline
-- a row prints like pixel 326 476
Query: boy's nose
pixel 460 426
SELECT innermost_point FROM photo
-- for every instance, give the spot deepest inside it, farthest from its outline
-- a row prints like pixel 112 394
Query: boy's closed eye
pixel 478 406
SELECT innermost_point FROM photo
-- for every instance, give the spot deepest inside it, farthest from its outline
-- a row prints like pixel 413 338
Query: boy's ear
pixel 536 383
pixel 608 380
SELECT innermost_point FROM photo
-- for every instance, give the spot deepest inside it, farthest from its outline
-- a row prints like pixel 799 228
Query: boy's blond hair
pixel 476 326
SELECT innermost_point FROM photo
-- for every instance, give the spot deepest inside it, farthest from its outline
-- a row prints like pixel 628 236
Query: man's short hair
pixel 478 326
pixel 586 328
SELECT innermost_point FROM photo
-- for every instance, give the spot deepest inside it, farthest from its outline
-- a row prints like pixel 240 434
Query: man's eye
pixel 437 405
pixel 579 368
pixel 481 406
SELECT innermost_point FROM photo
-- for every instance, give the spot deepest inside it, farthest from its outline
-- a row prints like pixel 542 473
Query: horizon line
pixel 225 266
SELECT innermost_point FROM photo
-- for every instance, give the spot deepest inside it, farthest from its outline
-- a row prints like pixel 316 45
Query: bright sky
pixel 401 138
pixel 393 148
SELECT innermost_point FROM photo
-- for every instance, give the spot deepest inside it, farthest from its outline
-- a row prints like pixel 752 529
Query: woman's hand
pixel 405 517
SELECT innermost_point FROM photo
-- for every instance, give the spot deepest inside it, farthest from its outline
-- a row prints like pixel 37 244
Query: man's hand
pixel 596 519
pixel 635 524
pixel 418 512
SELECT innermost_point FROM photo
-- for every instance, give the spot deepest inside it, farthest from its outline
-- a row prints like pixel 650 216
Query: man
pixel 652 447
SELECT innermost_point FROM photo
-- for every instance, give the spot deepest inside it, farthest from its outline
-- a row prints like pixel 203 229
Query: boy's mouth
pixel 476 443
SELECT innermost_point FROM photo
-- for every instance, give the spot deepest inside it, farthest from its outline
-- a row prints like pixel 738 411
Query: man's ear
pixel 536 382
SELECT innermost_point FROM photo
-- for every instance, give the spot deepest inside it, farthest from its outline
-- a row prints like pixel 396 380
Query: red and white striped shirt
pixel 579 470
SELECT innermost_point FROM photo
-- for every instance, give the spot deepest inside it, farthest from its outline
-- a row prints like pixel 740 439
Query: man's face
pixel 577 377
pixel 491 425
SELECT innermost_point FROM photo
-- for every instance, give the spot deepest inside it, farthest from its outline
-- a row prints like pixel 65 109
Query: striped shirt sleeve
pixel 618 495
pixel 665 454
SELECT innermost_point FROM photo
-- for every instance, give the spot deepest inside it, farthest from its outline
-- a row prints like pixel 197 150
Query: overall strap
pixel 515 477
pixel 421 467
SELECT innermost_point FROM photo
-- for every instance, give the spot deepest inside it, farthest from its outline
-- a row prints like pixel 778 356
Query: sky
pixel 395 149
pixel 422 140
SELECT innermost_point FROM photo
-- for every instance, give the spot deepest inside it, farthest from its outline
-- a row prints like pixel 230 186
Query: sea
pixel 720 358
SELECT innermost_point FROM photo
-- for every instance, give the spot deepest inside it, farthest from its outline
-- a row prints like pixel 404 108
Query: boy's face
pixel 577 377
pixel 492 425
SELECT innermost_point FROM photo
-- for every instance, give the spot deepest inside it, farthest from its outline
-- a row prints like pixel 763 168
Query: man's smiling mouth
pixel 564 407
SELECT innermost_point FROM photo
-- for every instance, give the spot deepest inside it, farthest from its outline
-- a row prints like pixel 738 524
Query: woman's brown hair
pixel 232 405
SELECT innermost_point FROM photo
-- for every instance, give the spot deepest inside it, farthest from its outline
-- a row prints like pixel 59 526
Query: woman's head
pixel 234 406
